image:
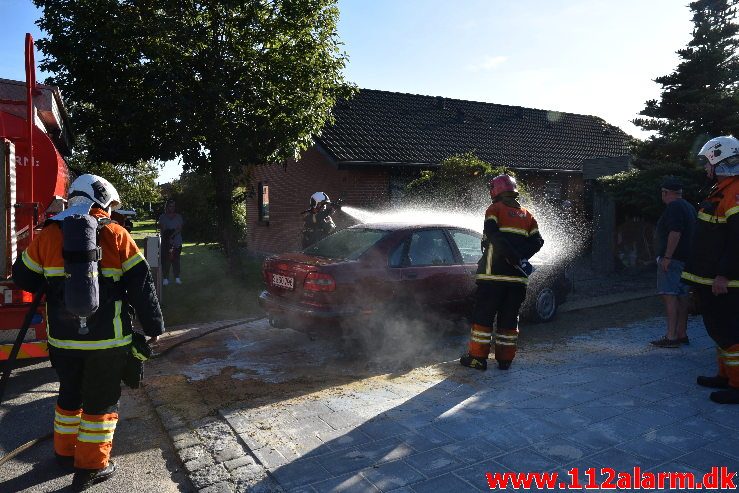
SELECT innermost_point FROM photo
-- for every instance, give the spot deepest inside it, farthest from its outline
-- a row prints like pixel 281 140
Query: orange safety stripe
pixel 506 344
pixel 95 440
pixel 731 366
pixel 36 349
pixel 480 338
pixel 66 424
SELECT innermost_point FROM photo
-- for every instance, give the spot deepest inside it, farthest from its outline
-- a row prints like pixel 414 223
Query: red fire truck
pixel 34 137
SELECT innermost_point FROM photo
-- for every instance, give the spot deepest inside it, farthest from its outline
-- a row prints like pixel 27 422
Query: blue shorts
pixel 669 283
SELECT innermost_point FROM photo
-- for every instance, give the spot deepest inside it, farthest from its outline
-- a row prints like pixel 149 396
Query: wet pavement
pixel 143 452
pixel 263 409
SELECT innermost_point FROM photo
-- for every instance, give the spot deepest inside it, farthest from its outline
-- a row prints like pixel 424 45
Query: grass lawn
pixel 209 292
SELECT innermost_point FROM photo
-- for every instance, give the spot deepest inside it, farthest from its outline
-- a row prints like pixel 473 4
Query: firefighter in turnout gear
pixel 318 223
pixel 511 236
pixel 713 269
pixel 89 353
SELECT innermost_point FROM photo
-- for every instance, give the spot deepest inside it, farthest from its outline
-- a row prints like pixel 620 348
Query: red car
pixel 371 269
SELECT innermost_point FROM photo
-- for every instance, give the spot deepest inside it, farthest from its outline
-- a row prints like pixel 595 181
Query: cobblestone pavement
pixel 605 398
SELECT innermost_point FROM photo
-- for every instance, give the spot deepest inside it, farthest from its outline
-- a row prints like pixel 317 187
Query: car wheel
pixel 545 305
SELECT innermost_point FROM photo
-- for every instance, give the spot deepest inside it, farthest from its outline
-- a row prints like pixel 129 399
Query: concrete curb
pixel 610 299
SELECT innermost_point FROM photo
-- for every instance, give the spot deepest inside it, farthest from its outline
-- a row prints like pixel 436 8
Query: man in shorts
pixel 673 236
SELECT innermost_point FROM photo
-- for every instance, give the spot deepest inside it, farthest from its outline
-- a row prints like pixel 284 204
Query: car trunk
pixel 285 277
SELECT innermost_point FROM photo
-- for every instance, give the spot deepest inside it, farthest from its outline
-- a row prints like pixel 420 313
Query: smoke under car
pixel 370 270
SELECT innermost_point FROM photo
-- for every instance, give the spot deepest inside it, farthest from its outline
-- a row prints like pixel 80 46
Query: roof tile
pixel 383 127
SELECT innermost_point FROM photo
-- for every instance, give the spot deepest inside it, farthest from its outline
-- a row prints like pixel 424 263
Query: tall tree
pixel 225 84
pixel 700 99
pixel 135 182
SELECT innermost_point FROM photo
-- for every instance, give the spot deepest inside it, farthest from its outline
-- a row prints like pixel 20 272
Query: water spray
pixel 564 234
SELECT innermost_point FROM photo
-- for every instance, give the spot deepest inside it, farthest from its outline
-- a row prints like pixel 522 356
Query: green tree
pixel 135 182
pixel 459 182
pixel 223 84
pixel 195 196
pixel 700 99
pixel 637 191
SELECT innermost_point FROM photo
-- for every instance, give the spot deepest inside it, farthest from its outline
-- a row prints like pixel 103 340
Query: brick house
pixel 381 140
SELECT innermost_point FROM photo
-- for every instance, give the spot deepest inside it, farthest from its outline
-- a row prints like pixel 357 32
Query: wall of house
pixel 554 187
pixel 290 189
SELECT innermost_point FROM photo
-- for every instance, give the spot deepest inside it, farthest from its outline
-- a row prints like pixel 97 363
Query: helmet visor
pixel 702 160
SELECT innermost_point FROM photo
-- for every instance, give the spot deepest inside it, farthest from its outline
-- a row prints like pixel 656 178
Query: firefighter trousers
pixel 721 318
pixel 86 411
pixel 496 301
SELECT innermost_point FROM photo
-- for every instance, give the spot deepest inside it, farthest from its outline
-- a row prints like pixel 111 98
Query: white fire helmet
pixel 95 189
pixel 723 154
pixel 318 198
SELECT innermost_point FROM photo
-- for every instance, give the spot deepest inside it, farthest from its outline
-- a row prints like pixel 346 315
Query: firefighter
pixel 318 222
pixel 511 236
pixel 713 268
pixel 89 354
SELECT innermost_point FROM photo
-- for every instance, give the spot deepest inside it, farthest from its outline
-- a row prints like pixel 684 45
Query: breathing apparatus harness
pixel 82 291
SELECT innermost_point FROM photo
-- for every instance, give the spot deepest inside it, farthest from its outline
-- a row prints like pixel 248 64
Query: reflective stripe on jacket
pixel 511 234
pixel 716 241
pixel 125 280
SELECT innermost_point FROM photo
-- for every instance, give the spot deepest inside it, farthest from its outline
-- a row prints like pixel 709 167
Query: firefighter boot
pixel 474 362
pixel 504 365
pixel 717 382
pixel 85 478
pixel 728 396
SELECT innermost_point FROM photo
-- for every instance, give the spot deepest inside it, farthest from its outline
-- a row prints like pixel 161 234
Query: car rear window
pixel 347 244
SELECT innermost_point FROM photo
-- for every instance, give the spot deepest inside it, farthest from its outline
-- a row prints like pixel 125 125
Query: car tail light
pixel 317 281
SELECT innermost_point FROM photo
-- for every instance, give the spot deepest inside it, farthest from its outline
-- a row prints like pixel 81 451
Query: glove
pixel 133 371
pixel 526 267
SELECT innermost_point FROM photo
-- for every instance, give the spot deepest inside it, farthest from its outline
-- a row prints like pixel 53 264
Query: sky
pixel 594 57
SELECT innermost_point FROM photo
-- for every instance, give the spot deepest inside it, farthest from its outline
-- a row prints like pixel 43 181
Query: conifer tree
pixel 700 98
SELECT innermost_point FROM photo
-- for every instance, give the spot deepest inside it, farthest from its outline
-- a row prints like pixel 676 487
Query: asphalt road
pixel 142 450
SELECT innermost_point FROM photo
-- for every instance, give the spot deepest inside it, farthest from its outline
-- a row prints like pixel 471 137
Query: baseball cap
pixel 672 183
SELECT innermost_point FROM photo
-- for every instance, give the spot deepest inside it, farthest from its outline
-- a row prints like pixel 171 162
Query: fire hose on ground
pixel 21 336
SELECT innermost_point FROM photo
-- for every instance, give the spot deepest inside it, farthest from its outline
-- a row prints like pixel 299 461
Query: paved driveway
pixel 603 398
pixel 147 463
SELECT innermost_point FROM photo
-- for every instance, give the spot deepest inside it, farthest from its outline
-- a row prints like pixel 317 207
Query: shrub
pixel 195 197
pixel 637 191
pixel 459 182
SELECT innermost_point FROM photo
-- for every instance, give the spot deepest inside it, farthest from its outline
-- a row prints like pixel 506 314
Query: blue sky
pixel 596 57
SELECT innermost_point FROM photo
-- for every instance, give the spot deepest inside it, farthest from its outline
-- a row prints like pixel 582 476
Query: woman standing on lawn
pixel 170 224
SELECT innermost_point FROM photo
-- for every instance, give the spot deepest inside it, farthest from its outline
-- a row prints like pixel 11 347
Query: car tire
pixel 544 305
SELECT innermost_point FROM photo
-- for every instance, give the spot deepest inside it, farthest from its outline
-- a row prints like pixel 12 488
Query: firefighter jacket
pixel 124 279
pixel 317 226
pixel 715 249
pixel 511 235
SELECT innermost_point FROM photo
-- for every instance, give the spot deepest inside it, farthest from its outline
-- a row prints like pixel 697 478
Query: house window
pixel 263 200
pixel 553 190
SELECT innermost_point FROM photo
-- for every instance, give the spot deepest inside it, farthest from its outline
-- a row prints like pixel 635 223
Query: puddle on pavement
pixel 256 363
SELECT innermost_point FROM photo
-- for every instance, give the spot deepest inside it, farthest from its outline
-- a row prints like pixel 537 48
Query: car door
pixel 467 244
pixel 425 264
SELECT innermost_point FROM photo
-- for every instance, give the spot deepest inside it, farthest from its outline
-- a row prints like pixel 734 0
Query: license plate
pixel 283 281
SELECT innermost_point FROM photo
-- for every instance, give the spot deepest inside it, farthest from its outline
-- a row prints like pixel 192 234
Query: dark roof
pixel 390 128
